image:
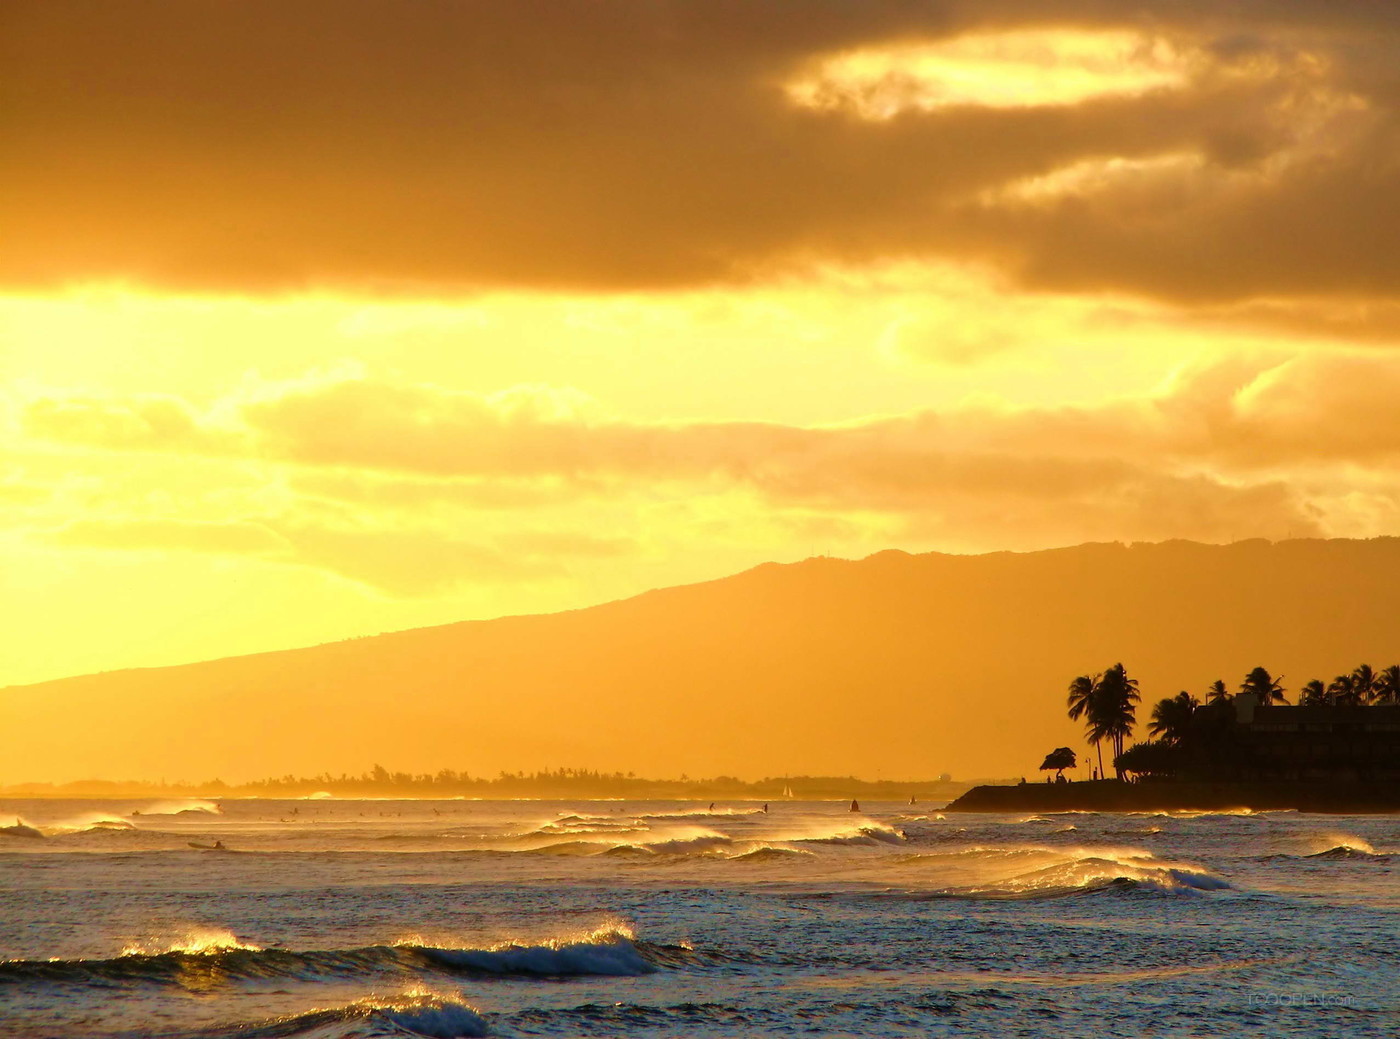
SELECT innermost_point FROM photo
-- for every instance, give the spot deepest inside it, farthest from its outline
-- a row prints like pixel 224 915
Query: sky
pixel 332 317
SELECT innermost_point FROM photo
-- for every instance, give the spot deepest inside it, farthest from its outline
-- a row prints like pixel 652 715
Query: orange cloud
pixel 1246 448
pixel 1222 155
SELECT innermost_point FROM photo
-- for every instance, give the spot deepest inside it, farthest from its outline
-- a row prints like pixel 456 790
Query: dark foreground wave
pixel 602 953
pixel 1348 851
pixel 439 1017
pixel 436 1017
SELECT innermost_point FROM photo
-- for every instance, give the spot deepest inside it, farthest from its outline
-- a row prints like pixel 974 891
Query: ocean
pixel 326 918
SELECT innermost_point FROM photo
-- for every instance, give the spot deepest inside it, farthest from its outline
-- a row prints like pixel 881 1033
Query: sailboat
pixel 855 805
pixel 787 793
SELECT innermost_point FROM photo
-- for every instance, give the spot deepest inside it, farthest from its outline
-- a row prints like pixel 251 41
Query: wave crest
pixel 1344 846
pixel 183 806
pixel 611 950
pixel 414 1013
pixel 1001 872
pixel 868 832
pixel 20 828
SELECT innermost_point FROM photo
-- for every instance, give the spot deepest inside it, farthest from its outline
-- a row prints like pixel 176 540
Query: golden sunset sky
pixel 322 318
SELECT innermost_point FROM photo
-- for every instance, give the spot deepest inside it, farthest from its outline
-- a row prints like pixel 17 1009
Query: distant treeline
pixel 1204 739
pixel 563 783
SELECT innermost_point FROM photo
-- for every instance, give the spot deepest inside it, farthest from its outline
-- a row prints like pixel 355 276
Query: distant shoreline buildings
pixel 1326 743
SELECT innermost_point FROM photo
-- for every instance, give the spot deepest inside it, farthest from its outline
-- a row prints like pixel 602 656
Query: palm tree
pixel 1112 713
pixel 1342 691
pixel 1171 718
pixel 1217 693
pixel 1314 694
pixel 1264 687
pixel 1081 698
pixel 1388 685
pixel 1364 680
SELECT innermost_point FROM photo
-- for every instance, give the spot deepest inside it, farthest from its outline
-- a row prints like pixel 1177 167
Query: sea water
pixel 329 918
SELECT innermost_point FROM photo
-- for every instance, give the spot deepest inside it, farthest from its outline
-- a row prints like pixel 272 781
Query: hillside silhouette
pixel 893 665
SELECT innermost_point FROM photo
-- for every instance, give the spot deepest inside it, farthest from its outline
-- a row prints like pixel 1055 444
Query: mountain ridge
pixel 895 663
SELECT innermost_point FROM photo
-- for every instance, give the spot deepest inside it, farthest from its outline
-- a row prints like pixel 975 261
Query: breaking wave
pixel 584 836
pixel 412 1014
pixel 184 806
pixel 607 951
pixel 1346 846
pixel 1201 813
pixel 1344 851
pixel 593 824
pixel 772 853
pixel 91 822
pixel 868 833
pixel 20 828
pixel 1030 872
pixel 88 822
pixel 198 942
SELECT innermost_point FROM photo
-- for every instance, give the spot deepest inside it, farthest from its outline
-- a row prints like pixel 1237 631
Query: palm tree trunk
pixel 1099 747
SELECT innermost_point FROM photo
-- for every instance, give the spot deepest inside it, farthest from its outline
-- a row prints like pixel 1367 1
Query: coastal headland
pixel 1114 796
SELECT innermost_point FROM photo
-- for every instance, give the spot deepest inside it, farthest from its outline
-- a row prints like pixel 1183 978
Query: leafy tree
pixel 1264 686
pixel 1171 718
pixel 1059 759
pixel 1151 757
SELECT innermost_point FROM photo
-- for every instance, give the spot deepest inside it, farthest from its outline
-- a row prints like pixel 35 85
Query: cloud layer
pixel 414 488
pixel 1181 150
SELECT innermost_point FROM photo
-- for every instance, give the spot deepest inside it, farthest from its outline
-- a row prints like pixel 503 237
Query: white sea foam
pixel 608 950
pixel 1029 871
pixel 196 941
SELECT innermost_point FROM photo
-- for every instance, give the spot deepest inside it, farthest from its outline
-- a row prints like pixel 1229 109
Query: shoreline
pixel 1111 795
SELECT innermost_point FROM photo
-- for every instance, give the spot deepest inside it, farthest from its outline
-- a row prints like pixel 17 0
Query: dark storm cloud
pixel 373 144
